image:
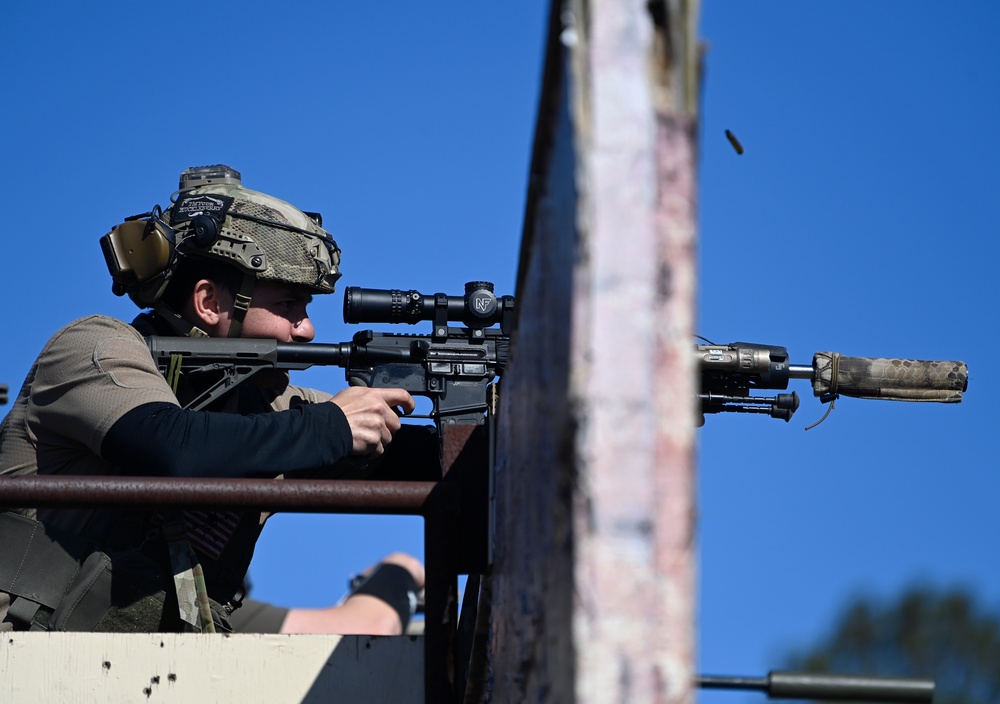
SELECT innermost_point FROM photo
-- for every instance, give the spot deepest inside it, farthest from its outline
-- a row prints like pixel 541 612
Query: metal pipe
pixel 808 685
pixel 290 495
pixel 801 371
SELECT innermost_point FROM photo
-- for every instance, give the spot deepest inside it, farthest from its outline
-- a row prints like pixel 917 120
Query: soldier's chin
pixel 276 380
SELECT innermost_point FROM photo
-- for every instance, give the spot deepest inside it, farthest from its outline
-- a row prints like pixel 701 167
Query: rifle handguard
pixel 888 379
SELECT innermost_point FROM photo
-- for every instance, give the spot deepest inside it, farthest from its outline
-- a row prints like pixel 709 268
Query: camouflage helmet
pixel 212 216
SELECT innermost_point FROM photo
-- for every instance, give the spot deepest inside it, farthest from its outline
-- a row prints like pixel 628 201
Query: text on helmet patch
pixel 190 204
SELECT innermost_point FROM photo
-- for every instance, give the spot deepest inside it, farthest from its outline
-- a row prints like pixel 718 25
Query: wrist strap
pixel 395 586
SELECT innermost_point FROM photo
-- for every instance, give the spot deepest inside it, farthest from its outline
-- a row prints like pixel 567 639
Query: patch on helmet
pixel 189 205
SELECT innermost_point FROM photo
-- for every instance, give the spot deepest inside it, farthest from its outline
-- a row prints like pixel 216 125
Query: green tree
pixel 939 634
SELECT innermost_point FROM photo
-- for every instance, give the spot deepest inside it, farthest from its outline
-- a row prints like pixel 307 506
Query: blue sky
pixel 861 219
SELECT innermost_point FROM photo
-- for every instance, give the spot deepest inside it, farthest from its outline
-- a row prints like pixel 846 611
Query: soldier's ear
pixel 211 306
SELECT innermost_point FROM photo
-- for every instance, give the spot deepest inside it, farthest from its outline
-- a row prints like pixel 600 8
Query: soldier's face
pixel 278 311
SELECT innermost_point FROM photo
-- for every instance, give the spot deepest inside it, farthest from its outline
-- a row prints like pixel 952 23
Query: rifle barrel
pixel 800 371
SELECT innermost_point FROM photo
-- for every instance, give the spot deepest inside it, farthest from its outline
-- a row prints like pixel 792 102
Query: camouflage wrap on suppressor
pixel 890 379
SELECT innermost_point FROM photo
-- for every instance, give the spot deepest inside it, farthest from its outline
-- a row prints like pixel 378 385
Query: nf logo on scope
pixel 483 304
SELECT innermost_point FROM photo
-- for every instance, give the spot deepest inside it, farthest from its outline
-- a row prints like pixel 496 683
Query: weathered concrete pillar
pixel 593 582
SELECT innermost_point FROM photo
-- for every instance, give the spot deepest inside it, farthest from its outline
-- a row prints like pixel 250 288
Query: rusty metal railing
pixel 453 509
pixel 295 496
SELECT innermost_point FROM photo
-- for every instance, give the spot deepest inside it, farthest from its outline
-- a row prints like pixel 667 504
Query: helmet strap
pixel 178 323
pixel 241 304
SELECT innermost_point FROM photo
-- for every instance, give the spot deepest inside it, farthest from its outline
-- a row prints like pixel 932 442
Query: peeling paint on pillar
pixel 675 486
pixel 594 577
pixel 635 547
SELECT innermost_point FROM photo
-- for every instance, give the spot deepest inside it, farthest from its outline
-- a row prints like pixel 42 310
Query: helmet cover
pixel 257 233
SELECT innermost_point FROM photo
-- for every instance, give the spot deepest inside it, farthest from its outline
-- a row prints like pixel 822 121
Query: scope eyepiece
pixel 478 308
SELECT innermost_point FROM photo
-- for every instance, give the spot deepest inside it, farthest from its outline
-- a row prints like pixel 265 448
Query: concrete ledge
pixel 153 667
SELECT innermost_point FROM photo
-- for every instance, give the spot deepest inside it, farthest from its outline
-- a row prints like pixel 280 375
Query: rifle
pixel 453 366
pixel 729 372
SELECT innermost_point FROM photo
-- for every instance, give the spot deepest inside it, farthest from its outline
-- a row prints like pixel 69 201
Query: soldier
pixel 220 261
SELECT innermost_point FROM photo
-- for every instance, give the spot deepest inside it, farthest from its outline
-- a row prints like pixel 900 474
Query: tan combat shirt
pixel 88 375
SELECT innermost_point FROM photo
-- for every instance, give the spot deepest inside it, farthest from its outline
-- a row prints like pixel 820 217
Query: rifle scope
pixel 478 308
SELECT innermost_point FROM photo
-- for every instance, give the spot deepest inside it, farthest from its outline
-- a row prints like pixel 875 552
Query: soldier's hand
pixel 372 415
